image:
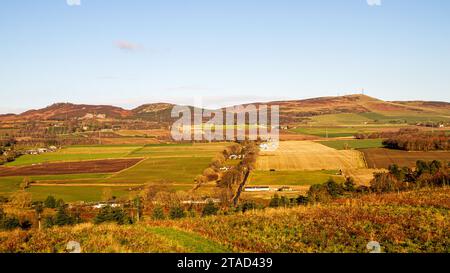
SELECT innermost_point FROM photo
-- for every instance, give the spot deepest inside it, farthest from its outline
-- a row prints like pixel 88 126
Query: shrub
pixel 10 223
pixel 176 213
pixel 50 202
pixel 385 182
pixel 49 222
pixel 349 184
pixel 62 218
pixel 158 213
pixel 363 189
pixel 26 225
pixel 319 193
pixel 334 189
pixel 302 200
pixel 60 203
pixel 275 201
pixel 109 214
pixel 248 205
pixel 210 209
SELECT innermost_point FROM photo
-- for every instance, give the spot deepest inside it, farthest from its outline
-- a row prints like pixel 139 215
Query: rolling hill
pixel 291 112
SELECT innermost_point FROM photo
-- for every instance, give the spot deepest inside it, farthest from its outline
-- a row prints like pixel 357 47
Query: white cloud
pixel 73 2
pixel 125 45
pixel 374 2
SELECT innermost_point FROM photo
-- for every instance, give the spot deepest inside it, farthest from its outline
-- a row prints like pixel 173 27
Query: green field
pixel 175 165
pixel 399 117
pixel 353 143
pixel 388 118
pixel 293 178
pixel 9 185
pixel 77 153
pixel 73 194
pixel 332 132
pixel 178 163
pixel 189 241
pixel 340 119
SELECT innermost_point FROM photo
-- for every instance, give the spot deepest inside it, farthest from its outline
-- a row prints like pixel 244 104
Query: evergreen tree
pixel 158 213
pixel 50 202
pixel 275 201
pixel 210 209
pixel 176 213
pixel 63 218
pixel 109 214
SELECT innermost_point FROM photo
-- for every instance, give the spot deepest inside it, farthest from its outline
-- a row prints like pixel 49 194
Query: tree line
pixel 411 140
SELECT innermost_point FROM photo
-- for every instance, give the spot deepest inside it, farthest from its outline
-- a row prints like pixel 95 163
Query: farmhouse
pixel 106 204
pixel 257 189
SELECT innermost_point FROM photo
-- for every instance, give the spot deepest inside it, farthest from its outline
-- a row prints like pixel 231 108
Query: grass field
pixel 308 155
pixel 77 153
pixel 340 119
pixel 174 165
pixel 293 178
pixel 191 242
pixel 376 118
pixel 382 158
pixel 353 144
pixel 73 194
pixel 331 132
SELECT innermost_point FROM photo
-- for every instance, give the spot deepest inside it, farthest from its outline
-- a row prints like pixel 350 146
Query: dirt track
pixel 93 166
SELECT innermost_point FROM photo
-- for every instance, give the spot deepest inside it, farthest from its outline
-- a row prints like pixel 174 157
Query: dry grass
pixel 409 222
pixel 308 155
pixel 416 221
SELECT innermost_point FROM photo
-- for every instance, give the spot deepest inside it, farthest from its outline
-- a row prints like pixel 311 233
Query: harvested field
pixel 308 155
pixel 93 166
pixel 362 176
pixel 382 158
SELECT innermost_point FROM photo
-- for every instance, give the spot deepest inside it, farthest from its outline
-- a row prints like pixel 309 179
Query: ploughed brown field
pixel 92 166
pixel 381 158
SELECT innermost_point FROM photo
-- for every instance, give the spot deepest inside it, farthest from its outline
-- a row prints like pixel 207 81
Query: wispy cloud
pixel 374 3
pixel 73 2
pixel 128 46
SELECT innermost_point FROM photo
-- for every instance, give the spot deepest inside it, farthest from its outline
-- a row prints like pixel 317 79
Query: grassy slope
pixel 407 222
pixel 416 221
pixel 109 238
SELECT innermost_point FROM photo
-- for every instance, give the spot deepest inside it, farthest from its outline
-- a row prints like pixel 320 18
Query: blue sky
pixel 132 52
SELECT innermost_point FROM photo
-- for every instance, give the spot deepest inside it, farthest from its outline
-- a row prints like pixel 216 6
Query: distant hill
pixel 291 112
pixel 64 111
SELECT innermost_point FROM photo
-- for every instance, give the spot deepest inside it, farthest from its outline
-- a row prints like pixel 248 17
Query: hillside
pixel 415 221
pixel 64 111
pixel 291 112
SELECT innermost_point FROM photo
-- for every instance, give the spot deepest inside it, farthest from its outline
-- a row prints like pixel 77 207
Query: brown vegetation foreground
pixel 416 221
pixel 92 166
pixel 400 225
